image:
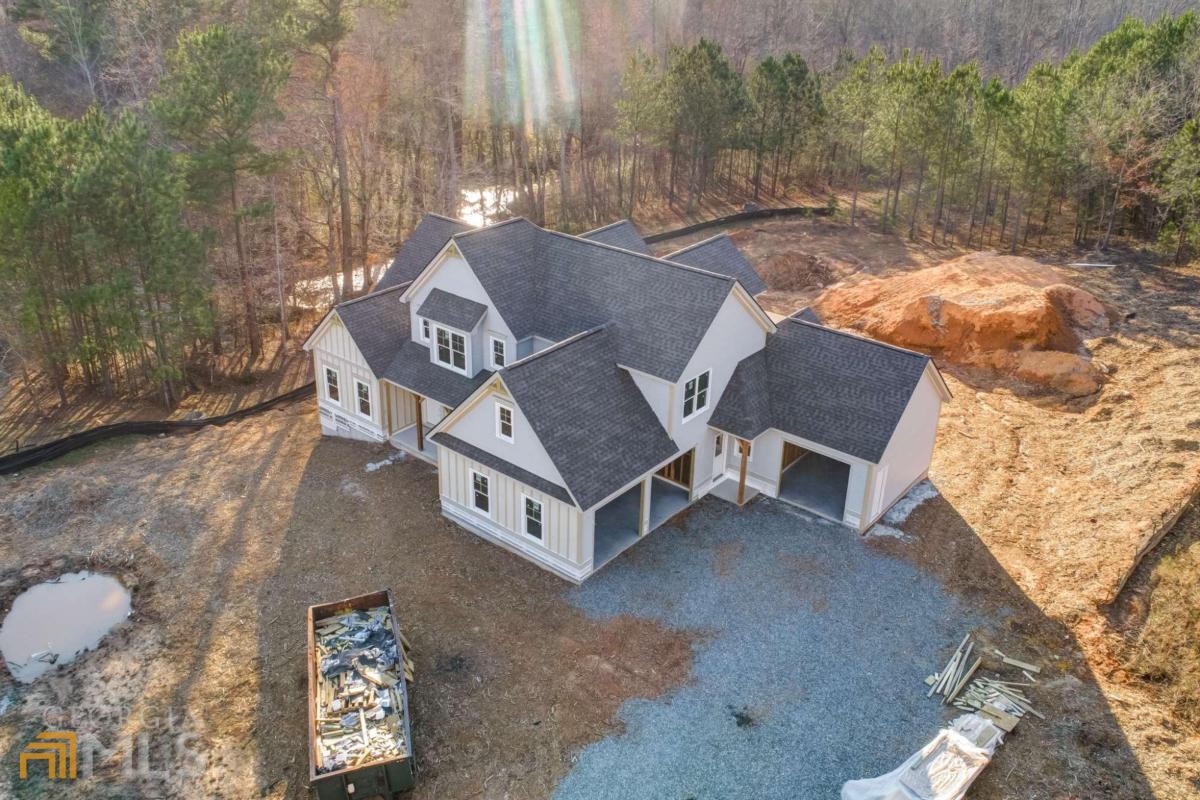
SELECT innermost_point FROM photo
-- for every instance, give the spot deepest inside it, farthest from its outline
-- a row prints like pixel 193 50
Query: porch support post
pixel 644 511
pixel 420 425
pixel 741 495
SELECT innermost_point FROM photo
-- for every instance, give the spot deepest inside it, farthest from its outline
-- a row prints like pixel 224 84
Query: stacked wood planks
pixel 1001 702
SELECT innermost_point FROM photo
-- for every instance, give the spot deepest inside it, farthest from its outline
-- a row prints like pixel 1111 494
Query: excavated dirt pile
pixel 1002 313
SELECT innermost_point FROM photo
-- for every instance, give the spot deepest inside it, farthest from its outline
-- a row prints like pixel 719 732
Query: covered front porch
pixel 407 413
pixel 406 440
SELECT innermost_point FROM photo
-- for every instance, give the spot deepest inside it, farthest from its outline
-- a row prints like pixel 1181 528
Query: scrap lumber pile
pixel 1001 702
pixel 359 708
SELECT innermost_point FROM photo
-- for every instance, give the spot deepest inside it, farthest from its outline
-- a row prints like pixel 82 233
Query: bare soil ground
pixel 31 418
pixel 228 534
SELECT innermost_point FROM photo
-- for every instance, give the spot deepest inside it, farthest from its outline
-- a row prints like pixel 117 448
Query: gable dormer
pixel 453 316
pixel 450 326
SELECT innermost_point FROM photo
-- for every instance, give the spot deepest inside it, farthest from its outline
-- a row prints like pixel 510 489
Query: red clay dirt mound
pixel 1003 313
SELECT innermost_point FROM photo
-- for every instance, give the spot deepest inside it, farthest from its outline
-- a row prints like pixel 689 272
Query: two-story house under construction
pixel 575 392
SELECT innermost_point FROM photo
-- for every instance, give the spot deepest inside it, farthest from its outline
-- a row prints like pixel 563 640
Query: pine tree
pixel 221 85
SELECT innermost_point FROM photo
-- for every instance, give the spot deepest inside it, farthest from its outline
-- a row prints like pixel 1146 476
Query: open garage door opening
pixel 814 482
pixel 641 508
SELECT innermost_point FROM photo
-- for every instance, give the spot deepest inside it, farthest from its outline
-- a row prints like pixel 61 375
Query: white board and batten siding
pixel 333 348
pixel 560 549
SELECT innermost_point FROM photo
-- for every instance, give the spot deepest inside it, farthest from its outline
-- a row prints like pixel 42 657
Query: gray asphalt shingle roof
pixel 619 234
pixel 554 285
pixel 425 241
pixel 451 309
pixel 378 324
pixel 589 415
pixel 501 465
pixel 830 387
pixel 411 368
pixel 719 254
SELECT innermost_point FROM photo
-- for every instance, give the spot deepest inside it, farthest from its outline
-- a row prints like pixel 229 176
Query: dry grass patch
pixel 1168 649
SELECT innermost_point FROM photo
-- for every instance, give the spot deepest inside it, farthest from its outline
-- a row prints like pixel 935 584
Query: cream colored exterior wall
pixel 477 426
pixel 735 334
pixel 561 549
pixel 451 273
pixel 910 451
pixel 334 348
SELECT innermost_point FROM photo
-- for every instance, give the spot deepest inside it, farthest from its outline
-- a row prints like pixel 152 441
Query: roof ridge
pixel 447 218
pixel 860 337
pixel 625 220
pixel 656 259
pixel 495 225
pixel 369 295
pixel 693 246
pixel 555 347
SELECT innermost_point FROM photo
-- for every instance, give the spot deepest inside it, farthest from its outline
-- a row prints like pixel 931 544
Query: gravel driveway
pixel 810 673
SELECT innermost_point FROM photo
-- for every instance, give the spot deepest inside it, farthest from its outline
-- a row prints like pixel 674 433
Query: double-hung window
pixel 425 330
pixel 331 385
pixel 498 353
pixel 362 396
pixel 452 349
pixel 695 394
pixel 533 518
pixel 480 497
pixel 504 422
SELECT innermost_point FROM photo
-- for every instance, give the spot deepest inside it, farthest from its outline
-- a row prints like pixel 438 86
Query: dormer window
pixel 695 394
pixel 451 349
pixel 504 422
pixel 498 353
pixel 424 330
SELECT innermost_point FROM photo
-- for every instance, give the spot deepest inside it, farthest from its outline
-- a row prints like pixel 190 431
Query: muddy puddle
pixel 54 622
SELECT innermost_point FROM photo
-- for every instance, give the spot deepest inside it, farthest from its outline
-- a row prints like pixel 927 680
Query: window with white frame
pixel 362 396
pixel 451 349
pixel 331 385
pixel 695 394
pixel 504 422
pixel 533 518
pixel 424 330
pixel 480 497
pixel 498 353
pixel 743 446
pixel 719 445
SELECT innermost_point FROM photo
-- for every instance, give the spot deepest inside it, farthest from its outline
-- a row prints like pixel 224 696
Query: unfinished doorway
pixel 814 482
pixel 679 471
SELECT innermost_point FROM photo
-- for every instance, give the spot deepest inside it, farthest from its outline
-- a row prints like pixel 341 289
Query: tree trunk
pixel 249 301
pixel 343 178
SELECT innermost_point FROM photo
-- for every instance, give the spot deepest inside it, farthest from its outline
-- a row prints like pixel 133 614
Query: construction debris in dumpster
pixel 360 711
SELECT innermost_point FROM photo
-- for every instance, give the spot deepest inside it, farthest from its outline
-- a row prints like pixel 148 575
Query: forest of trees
pixel 169 171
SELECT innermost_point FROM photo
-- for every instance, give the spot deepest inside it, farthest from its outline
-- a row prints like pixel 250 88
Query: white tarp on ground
pixel 942 770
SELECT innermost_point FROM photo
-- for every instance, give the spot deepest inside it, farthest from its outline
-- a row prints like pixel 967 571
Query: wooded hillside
pixel 172 174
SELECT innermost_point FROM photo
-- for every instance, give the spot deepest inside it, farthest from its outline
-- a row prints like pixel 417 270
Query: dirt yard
pixel 228 535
